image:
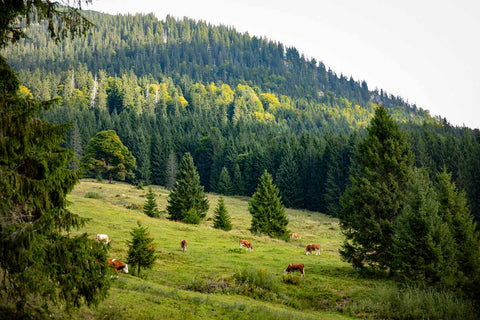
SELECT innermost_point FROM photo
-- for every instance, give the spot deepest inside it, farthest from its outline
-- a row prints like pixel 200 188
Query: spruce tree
pixel 221 219
pixel 376 195
pixel 424 248
pixel 141 249
pixel 150 207
pixel 187 201
pixel 267 210
pixel 224 185
pixel 237 183
pixel 454 211
pixel 288 180
pixel 41 263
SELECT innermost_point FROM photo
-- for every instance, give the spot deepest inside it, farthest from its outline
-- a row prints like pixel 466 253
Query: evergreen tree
pixel 424 248
pixel 141 249
pixel 41 263
pixel 288 180
pixel 221 219
pixel 105 154
pixel 454 211
pixel 150 206
pixel 187 202
pixel 171 170
pixel 224 185
pixel 376 195
pixel 267 210
pixel 237 183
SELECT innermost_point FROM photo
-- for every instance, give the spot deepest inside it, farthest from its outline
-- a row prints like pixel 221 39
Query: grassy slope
pixel 212 258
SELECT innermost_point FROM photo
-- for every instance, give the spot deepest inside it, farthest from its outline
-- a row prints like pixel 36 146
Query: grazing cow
pixel 295 266
pixel 295 236
pixel 183 244
pixel 313 246
pixel 103 238
pixel 247 244
pixel 117 265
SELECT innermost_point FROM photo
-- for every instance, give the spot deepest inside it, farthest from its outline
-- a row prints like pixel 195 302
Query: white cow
pixel 103 238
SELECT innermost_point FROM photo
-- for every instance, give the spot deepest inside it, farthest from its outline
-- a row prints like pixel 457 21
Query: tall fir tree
pixel 171 170
pixel 141 249
pixel 423 246
pixel 150 208
pixel 454 211
pixel 376 195
pixel 237 183
pixel 41 263
pixel 221 219
pixel 187 201
pixel 267 210
pixel 224 185
pixel 288 180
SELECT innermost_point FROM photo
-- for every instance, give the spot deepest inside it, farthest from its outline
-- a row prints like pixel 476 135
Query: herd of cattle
pixel 117 265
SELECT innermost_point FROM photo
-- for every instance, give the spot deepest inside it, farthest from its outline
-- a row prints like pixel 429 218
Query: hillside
pixel 177 286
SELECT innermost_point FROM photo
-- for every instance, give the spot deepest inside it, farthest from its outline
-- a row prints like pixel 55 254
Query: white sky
pixel 426 51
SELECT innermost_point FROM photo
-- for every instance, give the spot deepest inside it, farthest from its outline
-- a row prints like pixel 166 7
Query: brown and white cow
pixel 247 244
pixel 103 238
pixel 313 246
pixel 295 266
pixel 183 244
pixel 295 235
pixel 117 265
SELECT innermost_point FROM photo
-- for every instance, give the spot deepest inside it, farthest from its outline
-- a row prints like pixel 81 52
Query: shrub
pixel 414 302
pixel 92 195
pixel 256 278
pixel 291 279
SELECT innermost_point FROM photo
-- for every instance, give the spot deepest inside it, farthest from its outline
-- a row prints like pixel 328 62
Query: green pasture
pixel 203 282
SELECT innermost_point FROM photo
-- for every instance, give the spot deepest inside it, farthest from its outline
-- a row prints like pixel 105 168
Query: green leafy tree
pixel 187 201
pixel 150 208
pixel 41 264
pixel 224 183
pixel 141 249
pixel 221 219
pixel 376 195
pixel 424 248
pixel 105 154
pixel 267 210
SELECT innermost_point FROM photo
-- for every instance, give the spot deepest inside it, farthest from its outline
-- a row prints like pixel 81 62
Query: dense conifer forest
pixel 238 103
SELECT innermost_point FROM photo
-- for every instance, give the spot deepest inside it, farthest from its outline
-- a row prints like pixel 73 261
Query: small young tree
pixel 267 210
pixel 221 220
pixel 150 208
pixel 141 249
pixel 187 202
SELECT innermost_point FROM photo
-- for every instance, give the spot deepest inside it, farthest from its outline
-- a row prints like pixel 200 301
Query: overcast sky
pixel 426 51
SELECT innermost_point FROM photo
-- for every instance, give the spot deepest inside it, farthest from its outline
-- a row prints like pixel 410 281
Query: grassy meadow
pixel 214 279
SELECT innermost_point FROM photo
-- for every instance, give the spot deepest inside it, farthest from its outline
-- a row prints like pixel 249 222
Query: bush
pixel 291 279
pixel 259 278
pixel 92 195
pixel 414 302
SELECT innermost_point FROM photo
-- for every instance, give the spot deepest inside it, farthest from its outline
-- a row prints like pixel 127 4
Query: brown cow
pixel 247 244
pixel 117 265
pixel 295 235
pixel 295 266
pixel 313 246
pixel 183 244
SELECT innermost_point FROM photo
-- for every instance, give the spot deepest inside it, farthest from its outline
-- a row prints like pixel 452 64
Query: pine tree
pixel 376 195
pixel 237 183
pixel 41 263
pixel 267 210
pixel 171 170
pixel 221 219
pixel 224 185
pixel 454 211
pixel 187 201
pixel 424 248
pixel 141 249
pixel 150 206
pixel 288 180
